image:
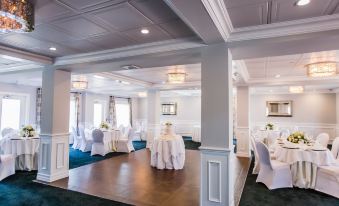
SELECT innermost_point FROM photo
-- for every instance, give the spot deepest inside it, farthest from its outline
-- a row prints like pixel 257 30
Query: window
pixel 72 115
pixel 122 113
pixel 10 113
pixel 97 114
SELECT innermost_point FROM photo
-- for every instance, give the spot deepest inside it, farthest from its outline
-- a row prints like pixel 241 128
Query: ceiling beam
pixel 23 56
pixel 126 79
pixel 287 81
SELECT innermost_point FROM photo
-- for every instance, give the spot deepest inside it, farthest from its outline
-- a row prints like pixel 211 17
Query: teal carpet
pixel 257 194
pixel 189 144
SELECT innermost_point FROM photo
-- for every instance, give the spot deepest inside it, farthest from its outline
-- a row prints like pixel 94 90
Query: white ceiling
pixel 260 12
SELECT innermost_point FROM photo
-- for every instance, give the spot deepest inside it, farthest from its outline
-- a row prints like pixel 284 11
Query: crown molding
pixel 302 26
pixel 294 80
pixel 218 13
pixel 23 56
pixel 129 51
pixel 184 85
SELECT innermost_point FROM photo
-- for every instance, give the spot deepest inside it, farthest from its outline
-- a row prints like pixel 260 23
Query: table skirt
pixel 26 162
pixel 304 174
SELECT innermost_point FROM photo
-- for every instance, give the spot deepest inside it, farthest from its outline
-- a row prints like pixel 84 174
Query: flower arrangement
pixel 27 131
pixel 269 126
pixel 104 125
pixel 168 124
pixel 298 137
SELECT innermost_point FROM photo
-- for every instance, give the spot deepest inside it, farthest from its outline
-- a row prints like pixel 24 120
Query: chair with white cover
pixel 7 131
pixel 76 139
pixel 323 139
pixel 7 166
pixel 86 143
pixel 124 143
pixel 256 167
pixel 284 133
pixel 328 176
pixel 98 146
pixel 272 173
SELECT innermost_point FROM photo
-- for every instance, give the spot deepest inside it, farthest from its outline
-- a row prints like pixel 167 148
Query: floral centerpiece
pixel 27 131
pixel 168 124
pixel 269 126
pixel 104 125
pixel 297 138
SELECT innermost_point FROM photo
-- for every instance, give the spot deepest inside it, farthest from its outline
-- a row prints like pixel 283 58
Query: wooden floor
pixel 130 179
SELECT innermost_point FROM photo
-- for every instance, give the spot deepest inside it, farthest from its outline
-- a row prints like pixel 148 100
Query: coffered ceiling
pixel 79 26
pixel 244 13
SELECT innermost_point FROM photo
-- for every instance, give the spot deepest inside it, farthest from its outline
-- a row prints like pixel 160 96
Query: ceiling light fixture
pixel 296 89
pixel 16 16
pixel 144 31
pixel 52 49
pixel 277 76
pixel 176 77
pixel 142 94
pixel 322 69
pixel 79 84
pixel 302 2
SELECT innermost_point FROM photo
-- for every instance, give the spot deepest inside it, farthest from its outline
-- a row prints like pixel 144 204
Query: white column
pixel 216 118
pixel 243 121
pixel 153 116
pixel 54 148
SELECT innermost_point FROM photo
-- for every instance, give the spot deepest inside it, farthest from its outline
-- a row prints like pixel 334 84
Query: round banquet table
pixel 110 137
pixel 168 152
pixel 304 161
pixel 24 150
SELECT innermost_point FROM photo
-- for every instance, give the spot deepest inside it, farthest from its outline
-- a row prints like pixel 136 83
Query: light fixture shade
pixel 176 77
pixel 16 16
pixel 296 89
pixel 322 69
pixel 79 85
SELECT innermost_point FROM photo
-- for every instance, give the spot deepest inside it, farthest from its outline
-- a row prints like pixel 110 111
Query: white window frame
pixel 103 103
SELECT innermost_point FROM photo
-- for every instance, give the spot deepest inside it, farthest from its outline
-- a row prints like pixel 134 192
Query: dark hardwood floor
pixel 130 179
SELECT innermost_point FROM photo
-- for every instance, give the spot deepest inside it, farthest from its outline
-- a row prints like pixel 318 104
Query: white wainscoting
pixel 310 128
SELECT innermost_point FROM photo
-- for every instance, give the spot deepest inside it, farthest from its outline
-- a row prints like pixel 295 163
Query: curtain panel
pixel 130 111
pixel 112 113
pixel 38 108
pixel 77 110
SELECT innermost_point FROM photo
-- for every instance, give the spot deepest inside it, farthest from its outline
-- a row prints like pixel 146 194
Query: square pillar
pixel 243 122
pixel 153 116
pixel 54 146
pixel 217 122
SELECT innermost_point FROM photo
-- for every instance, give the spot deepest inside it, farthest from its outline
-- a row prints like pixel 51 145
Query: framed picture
pixel 169 108
pixel 279 108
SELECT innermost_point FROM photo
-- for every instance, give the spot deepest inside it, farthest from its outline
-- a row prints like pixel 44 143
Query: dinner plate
pixel 287 147
pixel 318 149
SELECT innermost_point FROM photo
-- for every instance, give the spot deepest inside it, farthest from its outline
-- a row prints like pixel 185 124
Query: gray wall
pixel 307 108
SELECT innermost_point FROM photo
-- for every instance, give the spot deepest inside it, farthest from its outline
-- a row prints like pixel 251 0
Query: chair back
pixel 284 133
pixel 7 131
pixel 98 136
pixel 264 155
pixel 75 133
pixel 82 132
pixel 254 146
pixel 335 148
pixel 323 139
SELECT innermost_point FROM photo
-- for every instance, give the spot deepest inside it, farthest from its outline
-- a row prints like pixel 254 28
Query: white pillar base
pixel 243 142
pixel 216 177
pixel 53 157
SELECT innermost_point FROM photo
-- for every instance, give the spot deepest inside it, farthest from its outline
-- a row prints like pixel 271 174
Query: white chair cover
pixel 272 173
pixel 6 131
pixel 256 167
pixel 335 148
pixel 328 180
pixel 86 144
pixel 124 143
pixel 7 166
pixel 98 146
pixel 284 133
pixel 323 139
pixel 76 139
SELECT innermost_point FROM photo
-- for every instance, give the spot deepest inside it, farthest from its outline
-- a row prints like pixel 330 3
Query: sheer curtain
pixel 130 111
pixel 112 112
pixel 77 110
pixel 38 108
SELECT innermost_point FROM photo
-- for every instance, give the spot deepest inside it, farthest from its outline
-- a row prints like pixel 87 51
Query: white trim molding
pixel 301 26
pixel 218 12
pixel 129 51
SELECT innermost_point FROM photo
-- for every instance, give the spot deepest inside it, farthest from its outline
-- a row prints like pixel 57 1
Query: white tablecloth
pixel 25 151
pixel 110 137
pixel 304 163
pixel 168 153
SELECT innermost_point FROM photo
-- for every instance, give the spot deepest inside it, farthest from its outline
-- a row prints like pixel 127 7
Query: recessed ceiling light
pixel 302 2
pixel 144 31
pixel 277 76
pixel 52 48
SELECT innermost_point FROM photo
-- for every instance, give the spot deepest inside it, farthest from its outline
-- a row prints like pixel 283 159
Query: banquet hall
pixel 169 102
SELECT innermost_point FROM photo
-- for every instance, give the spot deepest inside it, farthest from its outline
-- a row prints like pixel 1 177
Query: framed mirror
pixel 169 108
pixel 279 108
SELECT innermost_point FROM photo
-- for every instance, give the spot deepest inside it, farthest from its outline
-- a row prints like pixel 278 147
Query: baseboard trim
pixel 51 178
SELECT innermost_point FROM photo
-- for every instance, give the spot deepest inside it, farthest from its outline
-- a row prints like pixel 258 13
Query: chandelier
pixel 296 89
pixel 79 84
pixel 176 77
pixel 322 69
pixel 16 16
